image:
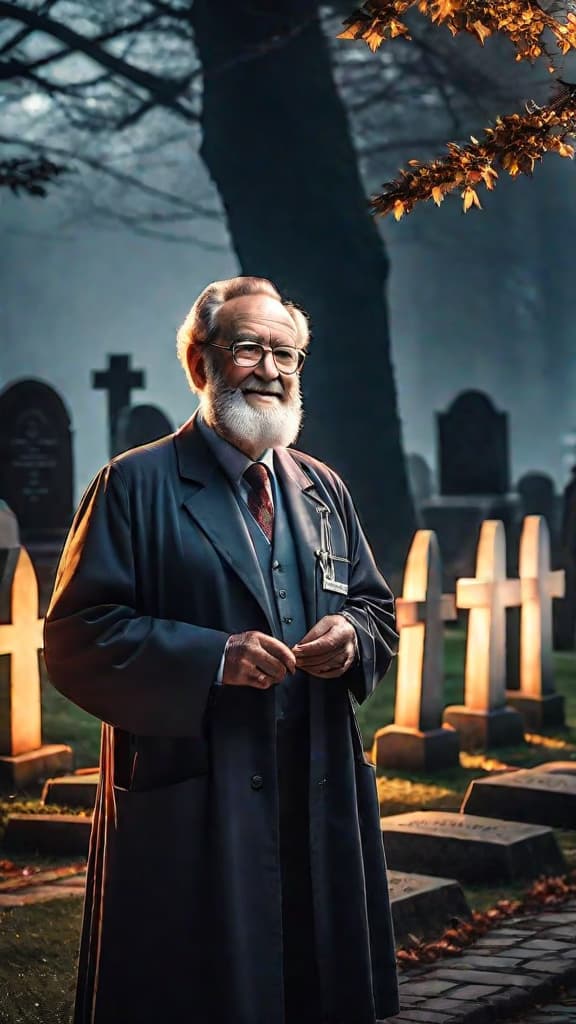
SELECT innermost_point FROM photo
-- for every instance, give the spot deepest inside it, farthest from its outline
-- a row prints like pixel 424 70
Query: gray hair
pixel 201 324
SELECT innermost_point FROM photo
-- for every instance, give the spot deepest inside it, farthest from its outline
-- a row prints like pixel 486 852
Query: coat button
pixel 256 782
pixel 281 593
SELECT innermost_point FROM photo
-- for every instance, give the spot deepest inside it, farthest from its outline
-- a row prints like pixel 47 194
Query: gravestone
pixel 468 847
pixel 119 380
pixel 77 790
pixel 556 768
pixel 48 834
pixel 536 699
pixel 565 610
pixel 538 498
pixel 36 477
pixel 484 720
pixel 23 757
pixel 141 424
pixel 417 739
pixel 9 541
pixel 423 905
pixel 473 447
pixel 541 798
pixel 474 464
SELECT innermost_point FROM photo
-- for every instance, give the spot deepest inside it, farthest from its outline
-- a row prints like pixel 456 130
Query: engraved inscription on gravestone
pixel 423 905
pixel 540 798
pixel 468 847
pixel 36 476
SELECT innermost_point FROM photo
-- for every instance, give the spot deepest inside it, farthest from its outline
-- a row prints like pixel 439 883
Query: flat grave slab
pixel 468 847
pixel 423 905
pixel 72 790
pixel 543 798
pixel 48 833
pixel 555 768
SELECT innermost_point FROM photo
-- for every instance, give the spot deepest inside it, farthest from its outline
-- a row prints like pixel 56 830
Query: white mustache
pixel 263 391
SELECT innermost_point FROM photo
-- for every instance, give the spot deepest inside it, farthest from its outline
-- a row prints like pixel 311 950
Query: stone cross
pixel 487 596
pixel 21 639
pixel 538 586
pixel 118 380
pixel 420 613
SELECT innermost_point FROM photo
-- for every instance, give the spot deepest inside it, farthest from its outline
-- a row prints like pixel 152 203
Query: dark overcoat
pixel 182 918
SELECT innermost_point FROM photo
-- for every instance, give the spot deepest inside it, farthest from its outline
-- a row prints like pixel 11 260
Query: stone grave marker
pixel 420 478
pixel 484 720
pixel 77 790
pixel 538 496
pixel 565 610
pixel 141 424
pixel 9 542
pixel 36 475
pixel 542 798
pixel 473 447
pixel 556 768
pixel 536 699
pixel 469 847
pixel 23 757
pixel 58 834
pixel 423 905
pixel 417 739
pixel 119 380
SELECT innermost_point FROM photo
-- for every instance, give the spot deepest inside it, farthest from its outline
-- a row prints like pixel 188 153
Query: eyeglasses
pixel 287 358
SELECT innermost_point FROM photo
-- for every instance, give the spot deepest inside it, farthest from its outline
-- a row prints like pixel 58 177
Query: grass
pixel 38 943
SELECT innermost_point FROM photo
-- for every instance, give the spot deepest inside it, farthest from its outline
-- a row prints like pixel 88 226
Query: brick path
pixel 508 970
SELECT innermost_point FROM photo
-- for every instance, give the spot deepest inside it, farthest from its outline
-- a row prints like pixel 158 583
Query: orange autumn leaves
pixel 516 142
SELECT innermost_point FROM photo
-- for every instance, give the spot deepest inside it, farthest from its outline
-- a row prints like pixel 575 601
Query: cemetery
pixel 472 734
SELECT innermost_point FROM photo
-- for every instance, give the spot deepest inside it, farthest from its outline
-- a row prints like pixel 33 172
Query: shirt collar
pixel 231 459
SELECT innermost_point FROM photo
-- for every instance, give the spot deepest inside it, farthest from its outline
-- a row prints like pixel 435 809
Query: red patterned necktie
pixel 259 497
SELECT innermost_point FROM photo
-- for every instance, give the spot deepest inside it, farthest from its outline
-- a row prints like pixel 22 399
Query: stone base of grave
pixel 545 712
pixel 539 798
pixel 469 847
pixel 48 833
pixel 424 906
pixel 480 730
pixel 78 790
pixel 398 747
pixel 22 770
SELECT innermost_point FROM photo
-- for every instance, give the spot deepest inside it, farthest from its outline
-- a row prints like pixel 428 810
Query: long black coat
pixel 182 918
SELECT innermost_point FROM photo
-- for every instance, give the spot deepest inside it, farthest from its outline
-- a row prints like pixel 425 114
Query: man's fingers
pixel 279 651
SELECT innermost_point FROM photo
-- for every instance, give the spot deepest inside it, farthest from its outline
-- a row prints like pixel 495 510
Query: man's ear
pixel 196 367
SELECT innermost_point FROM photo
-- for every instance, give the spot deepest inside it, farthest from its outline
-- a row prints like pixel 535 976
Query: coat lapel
pixel 208 498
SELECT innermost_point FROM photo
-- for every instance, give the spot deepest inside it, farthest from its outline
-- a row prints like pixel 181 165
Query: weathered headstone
pixel 473 459
pixel 541 798
pixel 537 700
pixel 119 380
pixel 23 757
pixel 468 847
pixel 417 739
pixel 555 768
pixel 77 790
pixel 538 496
pixel 141 424
pixel 484 720
pixel 36 476
pixel 58 834
pixel 565 610
pixel 473 447
pixel 423 905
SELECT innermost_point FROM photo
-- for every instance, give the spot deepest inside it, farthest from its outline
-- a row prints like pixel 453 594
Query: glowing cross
pixel 539 585
pixel 420 613
pixel 21 638
pixel 487 596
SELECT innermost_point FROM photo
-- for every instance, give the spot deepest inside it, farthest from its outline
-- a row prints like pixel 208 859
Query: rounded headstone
pixel 141 424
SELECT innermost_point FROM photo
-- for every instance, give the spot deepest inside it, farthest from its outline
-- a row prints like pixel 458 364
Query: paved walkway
pixel 510 969
pixel 514 973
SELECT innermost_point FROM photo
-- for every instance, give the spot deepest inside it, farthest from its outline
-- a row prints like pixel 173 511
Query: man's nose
pixel 267 368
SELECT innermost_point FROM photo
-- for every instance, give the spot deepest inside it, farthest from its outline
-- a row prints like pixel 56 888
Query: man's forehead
pixel 257 312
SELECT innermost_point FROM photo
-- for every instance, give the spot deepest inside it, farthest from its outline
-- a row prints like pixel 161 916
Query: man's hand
pixel 255 659
pixel 328 649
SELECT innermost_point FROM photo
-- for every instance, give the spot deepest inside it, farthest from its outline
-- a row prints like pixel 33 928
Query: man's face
pixel 255 407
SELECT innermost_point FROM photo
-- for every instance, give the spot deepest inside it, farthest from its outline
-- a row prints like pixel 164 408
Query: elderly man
pixel 218 607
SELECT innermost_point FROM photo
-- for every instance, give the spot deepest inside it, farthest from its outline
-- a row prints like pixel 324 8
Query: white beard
pixel 226 408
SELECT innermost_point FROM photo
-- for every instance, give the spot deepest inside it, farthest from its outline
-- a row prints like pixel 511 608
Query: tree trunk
pixel 277 145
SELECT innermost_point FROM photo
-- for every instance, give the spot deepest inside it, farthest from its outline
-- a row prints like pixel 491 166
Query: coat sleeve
pixel 370 605
pixel 146 675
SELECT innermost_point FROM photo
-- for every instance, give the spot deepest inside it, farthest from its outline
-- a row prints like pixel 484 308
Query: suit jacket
pixel 182 919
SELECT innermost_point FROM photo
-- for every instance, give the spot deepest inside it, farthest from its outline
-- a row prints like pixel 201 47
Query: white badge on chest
pixel 326 556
